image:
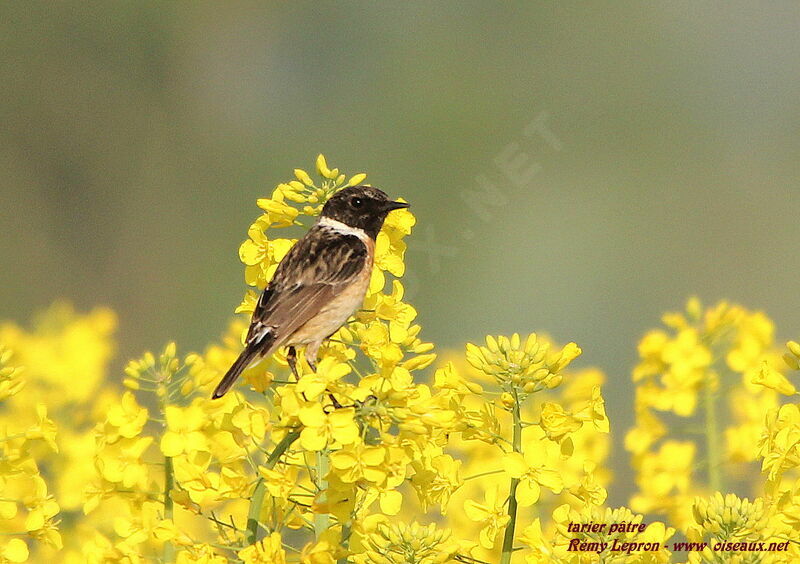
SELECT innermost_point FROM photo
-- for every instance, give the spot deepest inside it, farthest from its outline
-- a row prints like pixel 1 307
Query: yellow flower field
pixel 495 454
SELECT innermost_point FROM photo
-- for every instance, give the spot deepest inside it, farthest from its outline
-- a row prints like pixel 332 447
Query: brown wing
pixel 313 272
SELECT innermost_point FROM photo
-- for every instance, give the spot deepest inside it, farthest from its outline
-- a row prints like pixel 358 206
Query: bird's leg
pixel 311 359
pixel 311 355
pixel 291 358
pixel 335 402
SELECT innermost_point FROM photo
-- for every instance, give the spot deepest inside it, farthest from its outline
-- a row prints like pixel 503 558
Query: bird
pixel 319 283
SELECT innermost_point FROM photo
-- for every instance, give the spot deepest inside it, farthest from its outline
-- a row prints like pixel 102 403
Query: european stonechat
pixel 320 282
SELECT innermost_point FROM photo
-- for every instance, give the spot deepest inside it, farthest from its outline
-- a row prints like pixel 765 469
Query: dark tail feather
pixel 233 372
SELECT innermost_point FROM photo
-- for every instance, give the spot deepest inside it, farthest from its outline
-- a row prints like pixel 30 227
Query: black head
pixel 362 207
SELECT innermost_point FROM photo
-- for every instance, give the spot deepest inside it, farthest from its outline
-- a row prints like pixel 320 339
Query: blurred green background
pixel 136 137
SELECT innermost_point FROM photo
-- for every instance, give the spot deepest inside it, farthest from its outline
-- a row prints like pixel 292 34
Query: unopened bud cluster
pixel 409 544
pixel 726 516
pixel 525 367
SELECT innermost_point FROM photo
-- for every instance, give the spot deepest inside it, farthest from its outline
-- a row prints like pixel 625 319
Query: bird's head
pixel 361 207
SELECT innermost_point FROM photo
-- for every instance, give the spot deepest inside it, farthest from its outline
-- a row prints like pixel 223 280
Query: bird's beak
pixel 395 205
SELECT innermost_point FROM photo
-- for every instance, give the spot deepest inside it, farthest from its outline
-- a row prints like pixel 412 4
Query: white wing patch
pixel 258 333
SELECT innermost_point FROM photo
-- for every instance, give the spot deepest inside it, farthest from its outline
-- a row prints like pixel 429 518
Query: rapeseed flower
pixel 344 464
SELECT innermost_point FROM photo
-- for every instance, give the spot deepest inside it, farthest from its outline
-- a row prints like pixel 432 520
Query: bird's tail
pixel 245 358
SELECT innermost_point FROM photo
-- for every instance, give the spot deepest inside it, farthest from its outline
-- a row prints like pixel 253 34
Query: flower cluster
pixel 725 521
pixel 699 405
pixel 28 512
pixel 386 453
pixel 50 377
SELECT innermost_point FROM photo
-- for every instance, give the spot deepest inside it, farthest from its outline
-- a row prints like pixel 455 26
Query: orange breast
pixel 339 309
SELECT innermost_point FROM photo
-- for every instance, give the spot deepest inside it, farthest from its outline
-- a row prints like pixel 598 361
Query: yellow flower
pixel 279 214
pixel 595 411
pixel 321 429
pixel 192 473
pixel 532 472
pixel 10 376
pixel 376 343
pixel 556 422
pixel 126 418
pixel 449 378
pixel 266 551
pixel 121 462
pixel 648 429
pixel 664 477
pixel 771 378
pixel 255 254
pixel 436 481
pixel 280 483
pixel 541 546
pixel 184 430
pixel 65 357
pixel 792 357
pixel 588 489
pixel 491 515
pixel 15 550
pixel 44 429
pixel 200 554
pixel 329 371
pixel 780 442
pixel 327 484
pixel 319 552
pixel 360 462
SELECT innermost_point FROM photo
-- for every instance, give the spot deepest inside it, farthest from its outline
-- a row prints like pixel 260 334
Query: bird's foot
pixel 291 358
pixel 357 404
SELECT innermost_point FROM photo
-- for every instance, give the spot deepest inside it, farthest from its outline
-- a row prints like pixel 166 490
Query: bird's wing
pixel 313 272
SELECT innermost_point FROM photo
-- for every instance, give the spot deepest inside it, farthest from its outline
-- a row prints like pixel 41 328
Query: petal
pixel 16 550
pixel 313 438
pixel 312 415
pixel 343 459
pixel 528 493
pixel 391 502
pixel 514 464
pixel 475 511
pixel 373 456
pixel 250 253
pixel 551 479
pixel 171 444
pixel 311 386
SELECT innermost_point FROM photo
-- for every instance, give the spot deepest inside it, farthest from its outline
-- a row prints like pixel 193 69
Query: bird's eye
pixel 356 202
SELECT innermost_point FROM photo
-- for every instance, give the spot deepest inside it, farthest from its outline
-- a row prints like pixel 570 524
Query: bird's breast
pixel 336 312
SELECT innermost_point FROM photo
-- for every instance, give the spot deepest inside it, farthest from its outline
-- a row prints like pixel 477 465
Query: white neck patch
pixel 343 228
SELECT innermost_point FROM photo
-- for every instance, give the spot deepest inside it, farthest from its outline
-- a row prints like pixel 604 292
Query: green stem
pixel 508 537
pixel 712 440
pixel 169 482
pixel 345 542
pixel 482 474
pixel 257 499
pixel 169 473
pixel 321 520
